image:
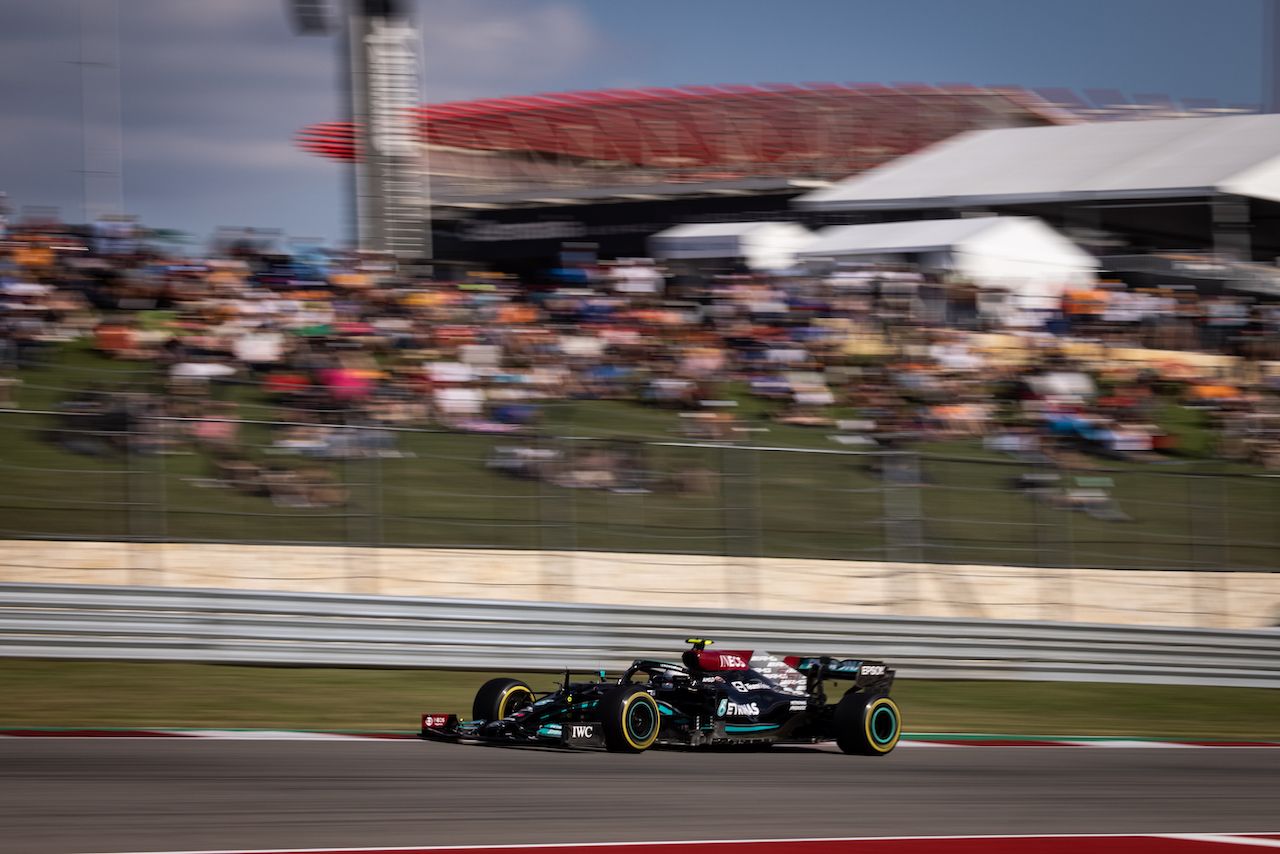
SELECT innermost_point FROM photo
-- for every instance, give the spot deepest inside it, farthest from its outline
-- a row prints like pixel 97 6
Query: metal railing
pixel 361 485
pixel 240 627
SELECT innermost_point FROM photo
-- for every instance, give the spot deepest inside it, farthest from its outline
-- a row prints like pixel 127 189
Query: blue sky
pixel 1182 48
pixel 213 90
pixel 1187 48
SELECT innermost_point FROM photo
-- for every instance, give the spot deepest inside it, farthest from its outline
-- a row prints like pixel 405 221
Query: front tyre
pixel 867 724
pixel 629 716
pixel 498 698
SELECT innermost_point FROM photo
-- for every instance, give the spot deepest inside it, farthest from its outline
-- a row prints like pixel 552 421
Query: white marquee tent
pixel 1237 155
pixel 1018 254
pixel 761 245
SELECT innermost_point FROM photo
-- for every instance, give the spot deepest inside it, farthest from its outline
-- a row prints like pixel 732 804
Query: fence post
pixel 363 475
pixel 743 523
pixel 557 522
pixel 145 506
pixel 903 526
pixel 557 530
pixel 904 529
pixel 1206 504
pixel 557 517
pixel 1064 586
pixel 1054 542
pixel 1040 515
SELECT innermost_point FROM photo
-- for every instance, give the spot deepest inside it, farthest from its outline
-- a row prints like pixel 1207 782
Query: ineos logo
pixel 732 662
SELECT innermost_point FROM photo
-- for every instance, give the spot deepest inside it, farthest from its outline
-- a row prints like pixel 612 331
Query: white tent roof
pixel 928 235
pixel 1021 238
pixel 763 244
pixel 1117 160
pixel 720 229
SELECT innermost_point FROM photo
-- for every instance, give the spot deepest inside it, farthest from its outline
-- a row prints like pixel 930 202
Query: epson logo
pixel 580 731
pixel 872 670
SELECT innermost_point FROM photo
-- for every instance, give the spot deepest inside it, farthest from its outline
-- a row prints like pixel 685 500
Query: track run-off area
pixel 262 792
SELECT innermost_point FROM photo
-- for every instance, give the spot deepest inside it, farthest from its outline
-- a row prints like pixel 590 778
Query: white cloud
pixel 213 92
pixel 486 48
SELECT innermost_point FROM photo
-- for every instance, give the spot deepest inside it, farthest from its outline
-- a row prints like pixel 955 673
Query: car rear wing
pixel 873 677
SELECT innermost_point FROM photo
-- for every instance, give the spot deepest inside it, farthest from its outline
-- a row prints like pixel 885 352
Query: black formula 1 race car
pixel 734 697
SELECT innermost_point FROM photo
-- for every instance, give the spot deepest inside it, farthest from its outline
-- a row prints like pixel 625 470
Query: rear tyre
pixel 630 719
pixel 498 698
pixel 867 724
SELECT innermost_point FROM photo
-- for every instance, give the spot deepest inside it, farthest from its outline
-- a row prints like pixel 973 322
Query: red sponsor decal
pixel 435 721
pixel 727 659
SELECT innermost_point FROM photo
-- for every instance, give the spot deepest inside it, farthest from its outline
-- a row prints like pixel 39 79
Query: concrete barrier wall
pixel 1238 600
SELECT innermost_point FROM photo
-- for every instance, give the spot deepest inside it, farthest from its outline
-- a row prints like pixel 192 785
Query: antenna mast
pixel 100 109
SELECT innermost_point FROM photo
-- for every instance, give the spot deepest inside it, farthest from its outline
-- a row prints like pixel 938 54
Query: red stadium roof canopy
pixel 715 133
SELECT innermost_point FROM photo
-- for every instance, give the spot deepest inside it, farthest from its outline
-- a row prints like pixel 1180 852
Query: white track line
pixel 1128 743
pixel 1226 838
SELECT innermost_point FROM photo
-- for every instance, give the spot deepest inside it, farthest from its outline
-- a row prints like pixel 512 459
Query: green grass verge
pixel 129 694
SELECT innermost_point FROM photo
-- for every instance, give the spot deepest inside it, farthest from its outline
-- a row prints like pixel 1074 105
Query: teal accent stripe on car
pixel 750 728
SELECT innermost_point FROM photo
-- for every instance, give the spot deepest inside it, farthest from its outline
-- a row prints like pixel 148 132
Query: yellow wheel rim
pixel 641 713
pixel 512 699
pixel 883 724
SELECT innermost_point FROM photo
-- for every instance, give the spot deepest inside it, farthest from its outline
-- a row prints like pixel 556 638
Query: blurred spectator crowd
pixel 876 356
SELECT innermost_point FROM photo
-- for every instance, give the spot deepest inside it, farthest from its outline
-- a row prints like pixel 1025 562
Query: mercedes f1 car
pixel 734 697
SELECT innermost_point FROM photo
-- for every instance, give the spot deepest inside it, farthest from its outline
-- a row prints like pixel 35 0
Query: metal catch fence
pixel 130 477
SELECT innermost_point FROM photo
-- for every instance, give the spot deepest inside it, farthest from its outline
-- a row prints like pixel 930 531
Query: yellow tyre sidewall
pixel 626 714
pixel 512 699
pixel 868 718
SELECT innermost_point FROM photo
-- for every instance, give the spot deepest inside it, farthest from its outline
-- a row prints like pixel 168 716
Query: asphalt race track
pixel 64 795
